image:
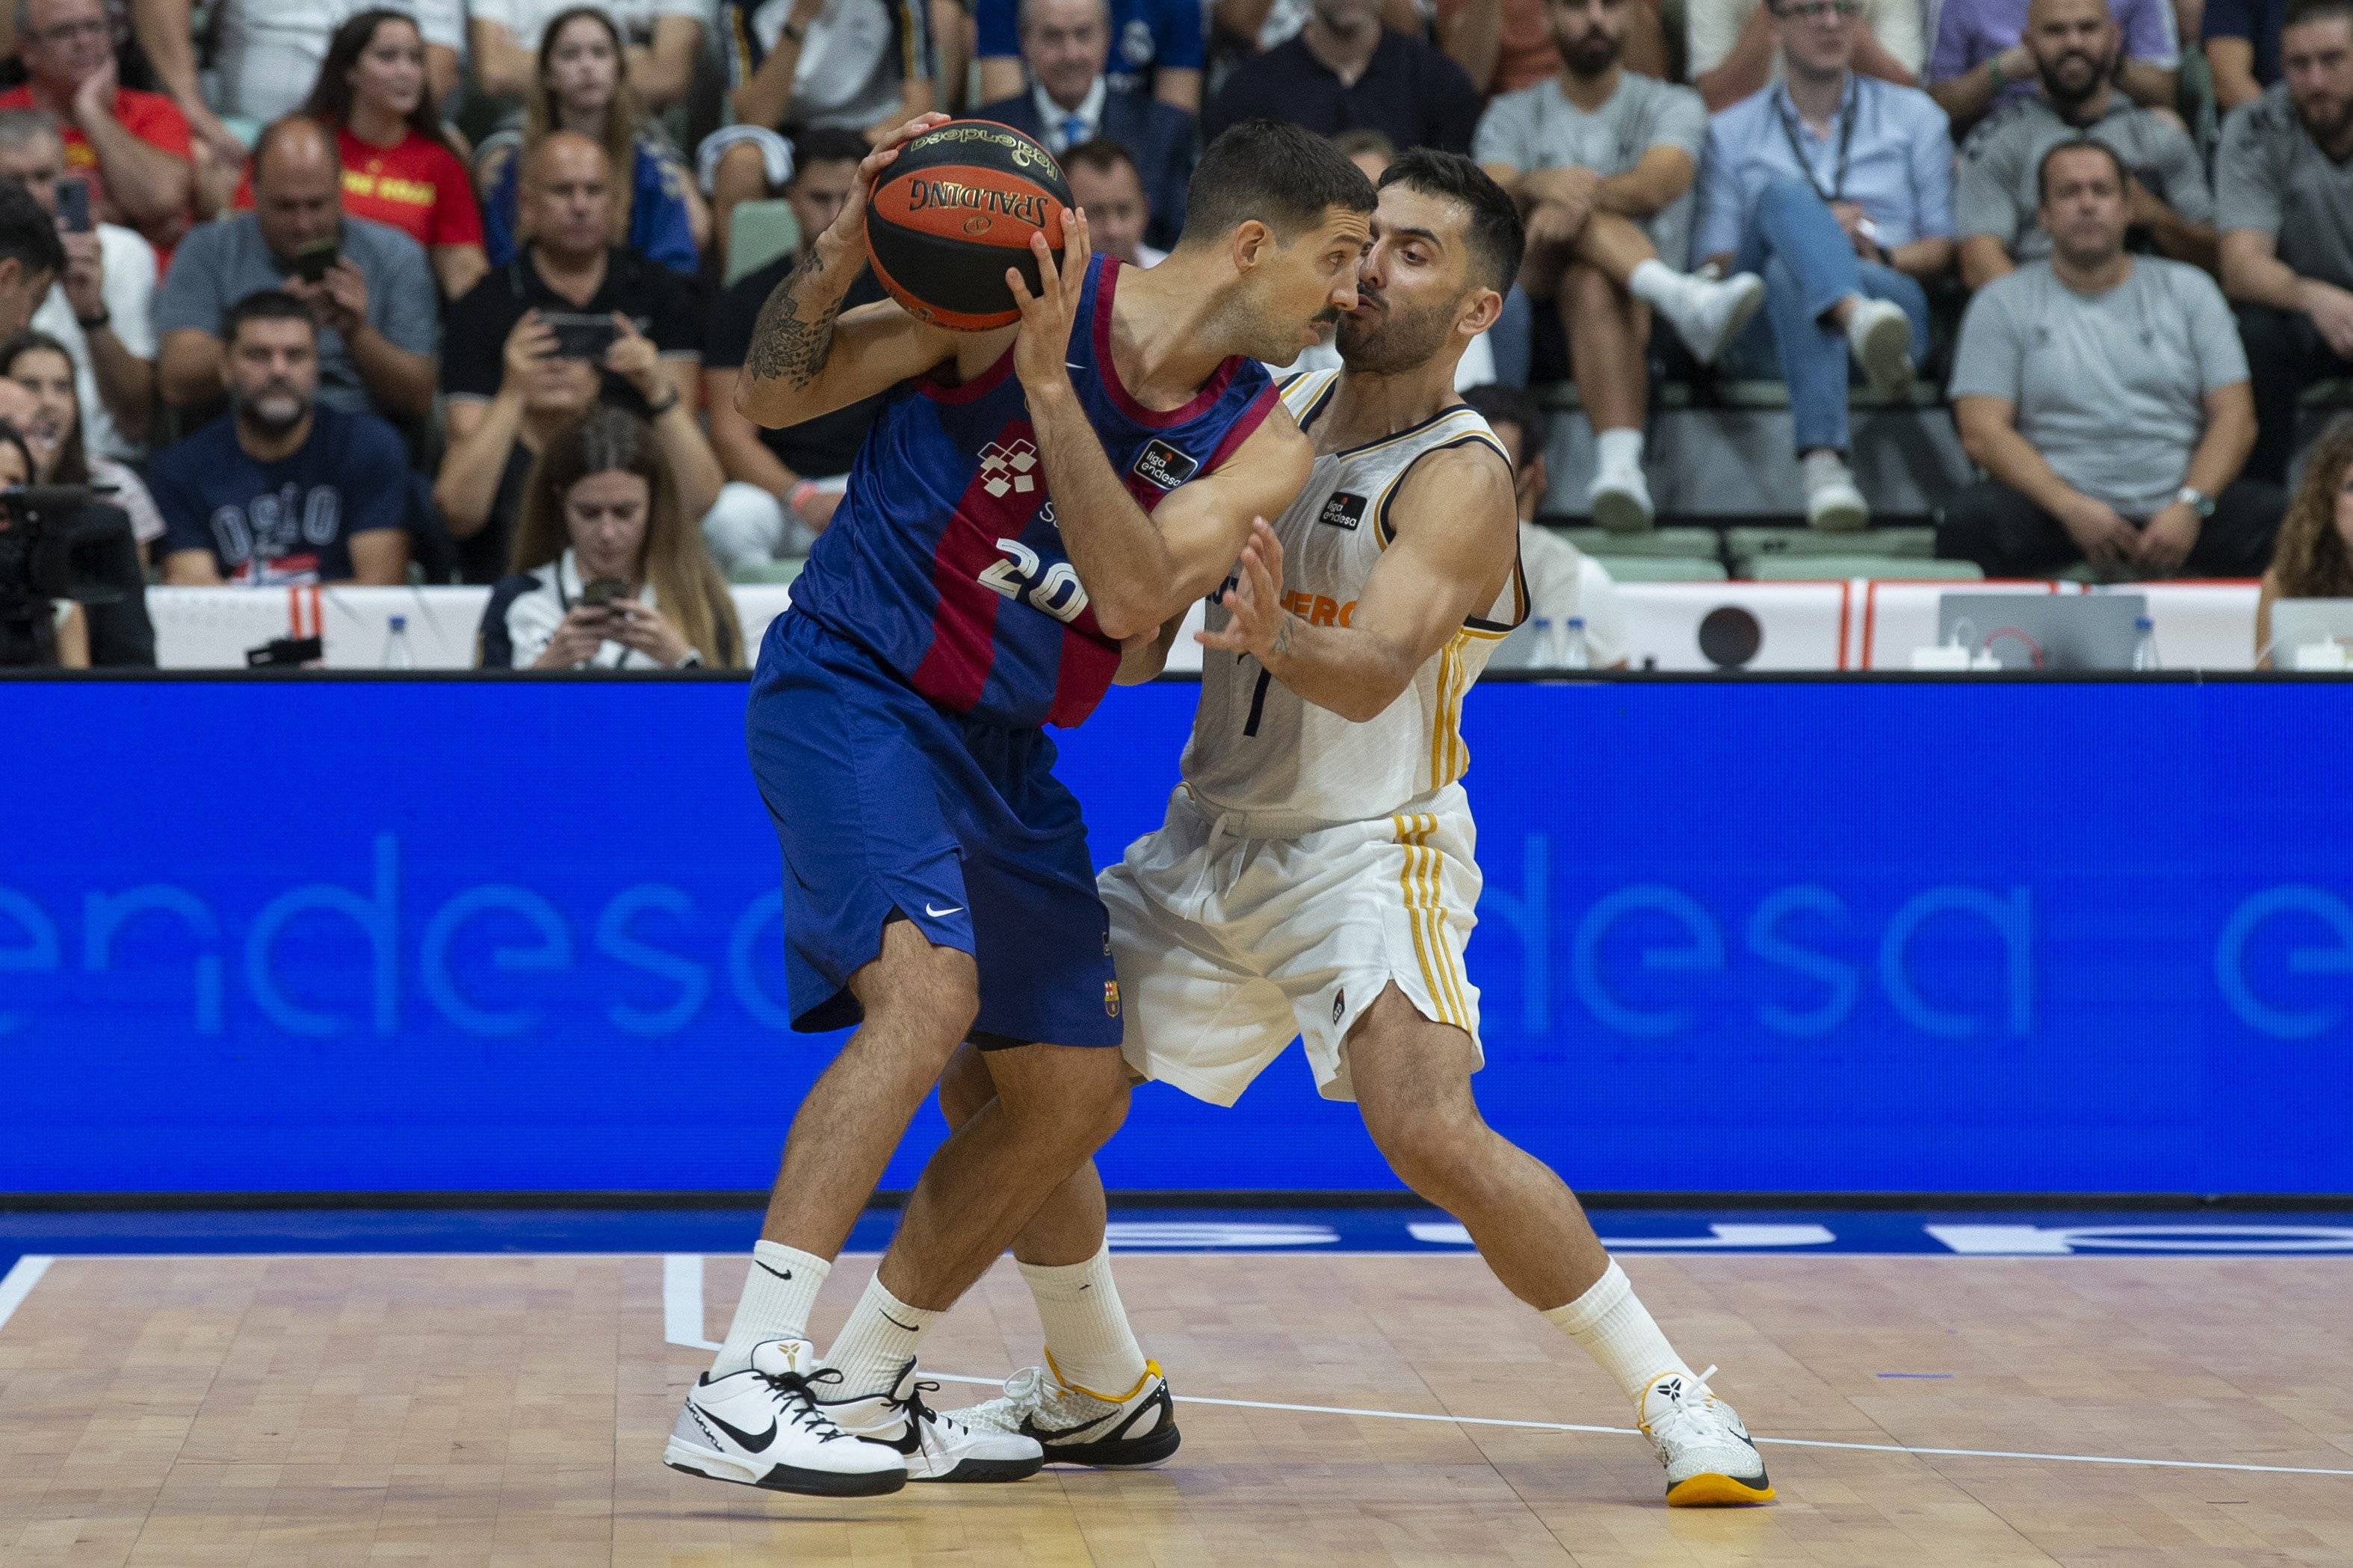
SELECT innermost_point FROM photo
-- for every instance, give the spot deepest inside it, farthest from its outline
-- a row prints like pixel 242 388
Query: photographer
pixel 609 572
pixel 69 639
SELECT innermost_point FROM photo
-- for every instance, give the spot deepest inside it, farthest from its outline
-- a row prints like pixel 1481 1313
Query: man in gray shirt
pixel 2285 204
pixel 377 305
pixel 2105 396
pixel 1601 162
pixel 2074 45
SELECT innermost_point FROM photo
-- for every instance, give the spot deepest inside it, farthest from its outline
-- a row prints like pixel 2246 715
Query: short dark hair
pixel 2078 145
pixel 1102 154
pixel 1497 235
pixel 827 144
pixel 1285 177
pixel 2304 11
pixel 267 305
pixel 28 233
pixel 1501 405
pixel 1363 139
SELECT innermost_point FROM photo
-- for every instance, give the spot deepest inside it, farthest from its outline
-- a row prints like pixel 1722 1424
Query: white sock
pixel 1660 284
pixel 1618 1332
pixel 1087 1333
pixel 779 1291
pixel 878 1341
pixel 1618 449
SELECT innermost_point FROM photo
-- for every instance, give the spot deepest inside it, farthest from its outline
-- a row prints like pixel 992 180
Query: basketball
pixel 955 209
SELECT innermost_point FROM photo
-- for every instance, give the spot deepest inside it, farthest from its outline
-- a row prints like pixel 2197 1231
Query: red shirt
pixel 150 116
pixel 417 185
pixel 1526 54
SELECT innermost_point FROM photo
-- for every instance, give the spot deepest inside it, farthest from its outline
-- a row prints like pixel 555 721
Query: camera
pixel 57 541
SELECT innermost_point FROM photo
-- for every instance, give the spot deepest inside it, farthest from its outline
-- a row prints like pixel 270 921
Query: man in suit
pixel 1065 44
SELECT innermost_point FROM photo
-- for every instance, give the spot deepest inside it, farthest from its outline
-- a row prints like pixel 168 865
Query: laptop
pixel 2045 631
pixel 2308 622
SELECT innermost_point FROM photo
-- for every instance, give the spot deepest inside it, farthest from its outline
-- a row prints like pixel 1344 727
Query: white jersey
pixel 1256 745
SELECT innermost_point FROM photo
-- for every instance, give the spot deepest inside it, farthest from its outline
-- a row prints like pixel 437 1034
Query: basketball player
pixel 1314 875
pixel 1028 499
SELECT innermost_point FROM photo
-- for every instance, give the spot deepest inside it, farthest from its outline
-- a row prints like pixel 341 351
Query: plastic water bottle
pixel 2145 645
pixel 1541 655
pixel 1573 653
pixel 398 654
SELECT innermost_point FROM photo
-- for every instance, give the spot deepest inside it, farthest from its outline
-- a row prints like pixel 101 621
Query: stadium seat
pixel 1705 543
pixel 1662 568
pixel 757 233
pixel 769 572
pixel 1896 544
pixel 1815 568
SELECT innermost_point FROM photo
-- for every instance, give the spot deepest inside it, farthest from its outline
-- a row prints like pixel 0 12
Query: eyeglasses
pixel 1815 10
pixel 66 32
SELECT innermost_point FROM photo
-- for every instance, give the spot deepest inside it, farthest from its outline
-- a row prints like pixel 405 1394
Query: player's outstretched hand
pixel 848 226
pixel 1256 623
pixel 1041 352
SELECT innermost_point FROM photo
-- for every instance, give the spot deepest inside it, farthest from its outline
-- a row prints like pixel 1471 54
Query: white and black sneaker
pixel 1079 1426
pixel 1711 1460
pixel 764 1428
pixel 932 1447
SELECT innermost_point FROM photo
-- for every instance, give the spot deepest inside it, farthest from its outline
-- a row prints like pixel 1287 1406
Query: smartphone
pixel 316 260
pixel 579 335
pixel 73 203
pixel 599 593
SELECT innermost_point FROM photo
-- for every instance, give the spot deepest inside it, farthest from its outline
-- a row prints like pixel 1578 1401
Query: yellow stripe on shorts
pixel 1450 963
pixel 1419 881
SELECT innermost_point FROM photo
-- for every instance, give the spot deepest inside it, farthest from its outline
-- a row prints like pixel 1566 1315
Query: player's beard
pixel 1386 342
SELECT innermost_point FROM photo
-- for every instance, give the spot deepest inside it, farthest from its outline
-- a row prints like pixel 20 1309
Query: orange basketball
pixel 952 212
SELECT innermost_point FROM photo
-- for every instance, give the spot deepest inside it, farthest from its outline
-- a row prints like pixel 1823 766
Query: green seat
pixel 1774 394
pixel 1895 543
pixel 1819 568
pixel 757 233
pixel 1700 542
pixel 769 572
pixel 1562 395
pixel 1662 568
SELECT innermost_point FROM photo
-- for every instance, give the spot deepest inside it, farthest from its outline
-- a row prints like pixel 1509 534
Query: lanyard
pixel 1847 107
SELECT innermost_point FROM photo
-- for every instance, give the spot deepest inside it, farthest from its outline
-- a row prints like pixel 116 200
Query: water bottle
pixel 398 654
pixel 1541 653
pixel 1574 654
pixel 2145 645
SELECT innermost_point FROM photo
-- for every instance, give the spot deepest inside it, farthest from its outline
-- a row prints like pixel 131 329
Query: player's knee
pixel 1069 1097
pixel 1587 289
pixel 1426 1145
pixel 924 994
pixel 966 1086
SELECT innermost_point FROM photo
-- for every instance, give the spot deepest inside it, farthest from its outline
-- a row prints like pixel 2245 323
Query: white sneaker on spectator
pixel 1880 335
pixel 1709 314
pixel 1619 499
pixel 1834 504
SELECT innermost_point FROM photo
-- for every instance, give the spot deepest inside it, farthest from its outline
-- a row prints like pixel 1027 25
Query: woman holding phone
pixel 609 571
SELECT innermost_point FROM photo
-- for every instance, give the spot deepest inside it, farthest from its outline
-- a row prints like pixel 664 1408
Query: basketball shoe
pixel 1709 1458
pixel 932 1447
pixel 1078 1426
pixel 764 1428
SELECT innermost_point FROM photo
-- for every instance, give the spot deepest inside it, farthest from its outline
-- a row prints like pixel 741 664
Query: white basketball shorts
pixel 1229 941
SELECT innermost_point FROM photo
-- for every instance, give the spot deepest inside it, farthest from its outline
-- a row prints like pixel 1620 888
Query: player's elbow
pixel 1121 617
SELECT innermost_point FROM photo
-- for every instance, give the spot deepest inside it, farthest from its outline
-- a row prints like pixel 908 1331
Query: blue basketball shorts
pixel 884 802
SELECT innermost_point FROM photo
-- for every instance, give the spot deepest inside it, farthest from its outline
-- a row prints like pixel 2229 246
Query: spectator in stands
pixel 583 87
pixel 375 91
pixel 1106 186
pixel 31 260
pixel 503 395
pixel 68 630
pixel 267 53
pixel 1368 150
pixel 2282 201
pixel 379 312
pixel 1601 161
pixel 1733 45
pixel 2105 394
pixel 1562 581
pixel 603 509
pixel 2075 47
pixel 1245 28
pixel 862 65
pixel 2243 48
pixel 282 489
pixel 1503 45
pixel 1344 70
pixel 664 39
pixel 53 433
pixel 1072 101
pixel 132 146
pixel 1157 47
pixel 1838 189
pixel 2313 558
pixel 1982 58
pixel 782 484
pixel 100 306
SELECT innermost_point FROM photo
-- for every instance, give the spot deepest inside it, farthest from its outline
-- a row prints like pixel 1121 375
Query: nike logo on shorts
pixel 941 914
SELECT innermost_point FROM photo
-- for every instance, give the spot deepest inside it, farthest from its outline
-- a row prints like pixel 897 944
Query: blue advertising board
pixel 1792 936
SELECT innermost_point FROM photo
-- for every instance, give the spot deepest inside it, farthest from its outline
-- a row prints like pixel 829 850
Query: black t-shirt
pixel 1410 92
pixel 816 449
pixel 483 558
pixel 474 341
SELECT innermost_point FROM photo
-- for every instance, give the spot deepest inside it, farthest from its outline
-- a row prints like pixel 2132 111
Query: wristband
pixel 800 492
pixel 104 319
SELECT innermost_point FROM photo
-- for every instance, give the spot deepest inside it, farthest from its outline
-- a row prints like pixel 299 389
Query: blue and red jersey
pixel 944 559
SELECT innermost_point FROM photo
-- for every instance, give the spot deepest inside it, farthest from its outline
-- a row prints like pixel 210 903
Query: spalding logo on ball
pixel 955 209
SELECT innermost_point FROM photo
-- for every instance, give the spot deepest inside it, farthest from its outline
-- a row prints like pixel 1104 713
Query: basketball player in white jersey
pixel 1314 877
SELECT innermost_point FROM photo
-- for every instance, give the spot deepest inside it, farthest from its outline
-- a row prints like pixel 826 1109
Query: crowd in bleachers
pixel 436 292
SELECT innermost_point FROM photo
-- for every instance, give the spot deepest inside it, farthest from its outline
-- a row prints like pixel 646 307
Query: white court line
pixel 683 1311
pixel 18 1283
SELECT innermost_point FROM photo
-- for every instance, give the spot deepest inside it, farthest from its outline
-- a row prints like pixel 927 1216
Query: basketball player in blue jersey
pixel 1028 500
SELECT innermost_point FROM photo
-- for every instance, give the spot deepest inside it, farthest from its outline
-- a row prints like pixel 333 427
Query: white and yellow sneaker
pixel 1710 1460
pixel 1079 1426
pixel 934 1446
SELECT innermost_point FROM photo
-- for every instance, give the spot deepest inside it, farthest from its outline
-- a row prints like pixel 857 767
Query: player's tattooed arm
pixel 793 336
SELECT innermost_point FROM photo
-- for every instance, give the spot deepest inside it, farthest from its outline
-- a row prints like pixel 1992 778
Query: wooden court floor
pixel 319 1411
